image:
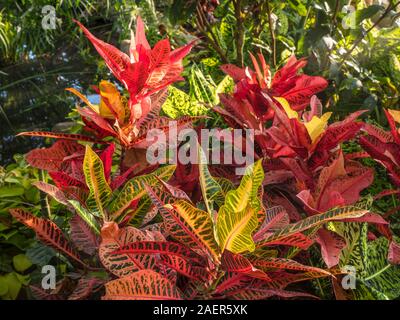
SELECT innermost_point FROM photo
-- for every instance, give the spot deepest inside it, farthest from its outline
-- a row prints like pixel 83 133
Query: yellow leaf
pixel 94 107
pixel 317 126
pixel 110 96
pixel 285 105
pixel 395 114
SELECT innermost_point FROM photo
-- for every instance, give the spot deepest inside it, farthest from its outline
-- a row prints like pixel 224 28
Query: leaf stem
pixel 378 272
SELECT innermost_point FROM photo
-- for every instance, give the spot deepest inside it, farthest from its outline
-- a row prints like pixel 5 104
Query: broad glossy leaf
pixel 162 247
pixel 51 159
pixel 185 267
pixel 142 285
pixel 114 238
pixel 191 226
pixel 237 218
pixel 239 264
pixel 100 191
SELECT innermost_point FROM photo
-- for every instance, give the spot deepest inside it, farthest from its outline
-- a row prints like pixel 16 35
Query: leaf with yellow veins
pixel 100 191
pixel 237 218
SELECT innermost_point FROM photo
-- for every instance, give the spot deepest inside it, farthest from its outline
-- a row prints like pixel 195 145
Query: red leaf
pixel 82 236
pixel 107 158
pixel 85 288
pixel 117 61
pixel 234 72
pixel 47 231
pixel 63 180
pixel 140 38
pixel 331 246
pixel 305 86
pixel 51 159
pixel 237 263
pixel 394 253
pixel 161 247
pixel 180 53
pixel 275 218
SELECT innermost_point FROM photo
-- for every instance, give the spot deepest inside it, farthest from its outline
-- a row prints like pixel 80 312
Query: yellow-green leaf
pixel 134 188
pixel 237 218
pixel 210 189
pixel 190 226
pixel 100 191
pixel 347 212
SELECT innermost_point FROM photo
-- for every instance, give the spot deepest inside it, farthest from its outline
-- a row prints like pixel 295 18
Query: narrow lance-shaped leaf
pixel 312 221
pixel 59 135
pixel 288 264
pixel 47 231
pixel 210 189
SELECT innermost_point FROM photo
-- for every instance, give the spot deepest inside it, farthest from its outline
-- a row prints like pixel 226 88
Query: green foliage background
pixel 358 52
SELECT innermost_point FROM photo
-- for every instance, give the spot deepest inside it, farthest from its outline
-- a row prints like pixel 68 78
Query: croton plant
pixel 227 236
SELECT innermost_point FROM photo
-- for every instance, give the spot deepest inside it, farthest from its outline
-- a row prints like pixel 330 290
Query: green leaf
pixel 376 278
pixel 367 13
pixel 179 104
pixel 314 221
pixel 225 86
pixel 10 284
pixel 86 216
pixel 100 191
pixel 210 189
pixel 6 192
pixel 21 262
pixel 40 254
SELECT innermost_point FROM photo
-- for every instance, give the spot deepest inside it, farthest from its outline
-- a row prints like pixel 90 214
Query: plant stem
pixel 239 32
pixel 272 33
pixel 378 272
pixel 205 27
